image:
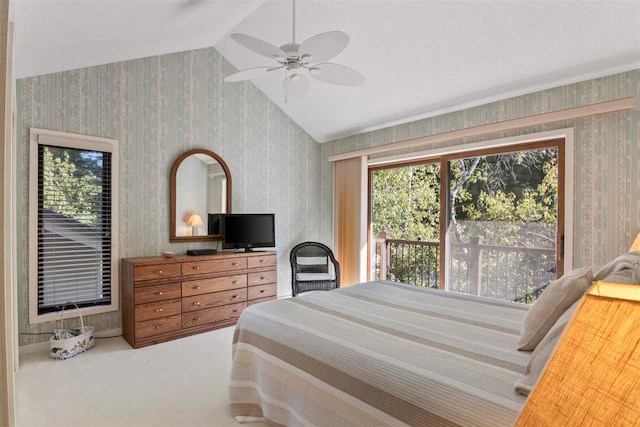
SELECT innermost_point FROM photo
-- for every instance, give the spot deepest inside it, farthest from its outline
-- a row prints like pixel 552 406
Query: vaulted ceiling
pixel 420 58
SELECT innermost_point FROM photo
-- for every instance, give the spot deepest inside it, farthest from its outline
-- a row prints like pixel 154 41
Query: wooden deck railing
pixel 506 272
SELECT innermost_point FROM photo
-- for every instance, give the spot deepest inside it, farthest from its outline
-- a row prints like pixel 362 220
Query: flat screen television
pixel 248 231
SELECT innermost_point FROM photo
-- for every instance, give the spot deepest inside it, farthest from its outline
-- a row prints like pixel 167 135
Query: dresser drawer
pixel 148 294
pixel 262 278
pixel 200 302
pixel 159 271
pixel 213 315
pixel 262 261
pixel 158 326
pixel 156 310
pixel 213 266
pixel 262 291
pixel 199 287
pixel 258 301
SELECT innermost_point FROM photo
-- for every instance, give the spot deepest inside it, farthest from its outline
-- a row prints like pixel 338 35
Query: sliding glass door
pixel 487 222
pixel 405 218
pixel 503 223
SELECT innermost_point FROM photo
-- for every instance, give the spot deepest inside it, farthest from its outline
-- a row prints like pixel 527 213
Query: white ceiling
pixel 420 58
pixel 58 35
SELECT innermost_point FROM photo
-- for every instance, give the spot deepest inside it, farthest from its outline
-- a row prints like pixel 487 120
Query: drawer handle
pixel 234 296
pixel 235 310
pixel 160 293
pixel 263 291
pixel 158 272
pixel 196 303
pixel 234 263
pixel 196 287
pixel 195 319
pixel 234 282
pixel 196 268
pixel 159 310
pixel 262 277
pixel 263 260
pixel 159 326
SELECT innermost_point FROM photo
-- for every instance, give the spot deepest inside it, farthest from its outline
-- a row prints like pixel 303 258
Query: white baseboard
pixel 43 347
pixel 109 333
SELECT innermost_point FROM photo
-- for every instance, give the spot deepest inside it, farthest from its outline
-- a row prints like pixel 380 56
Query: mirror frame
pixel 174 170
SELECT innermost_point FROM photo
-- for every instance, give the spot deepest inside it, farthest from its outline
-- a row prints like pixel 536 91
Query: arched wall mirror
pixel 200 185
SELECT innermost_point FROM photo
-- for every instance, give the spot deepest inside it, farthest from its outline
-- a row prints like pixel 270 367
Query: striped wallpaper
pixel 607 177
pixel 157 108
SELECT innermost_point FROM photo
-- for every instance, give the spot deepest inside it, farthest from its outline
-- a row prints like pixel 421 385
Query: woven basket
pixel 67 348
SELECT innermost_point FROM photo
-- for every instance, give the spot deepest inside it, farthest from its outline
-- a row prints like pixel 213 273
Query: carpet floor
pixel 178 383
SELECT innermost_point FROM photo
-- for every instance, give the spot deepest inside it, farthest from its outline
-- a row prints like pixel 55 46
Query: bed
pixel 378 353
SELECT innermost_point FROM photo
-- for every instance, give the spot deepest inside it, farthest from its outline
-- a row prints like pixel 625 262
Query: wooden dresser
pixel 169 298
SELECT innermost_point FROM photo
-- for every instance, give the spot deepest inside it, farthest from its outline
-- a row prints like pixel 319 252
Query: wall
pixel 4 82
pixel 607 177
pixel 157 108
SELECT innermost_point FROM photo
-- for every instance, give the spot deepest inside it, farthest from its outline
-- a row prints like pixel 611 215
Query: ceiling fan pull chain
pixel 286 83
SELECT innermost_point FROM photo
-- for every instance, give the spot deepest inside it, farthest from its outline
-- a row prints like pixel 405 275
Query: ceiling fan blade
pixel 295 87
pixel 336 74
pixel 324 46
pixel 250 73
pixel 259 46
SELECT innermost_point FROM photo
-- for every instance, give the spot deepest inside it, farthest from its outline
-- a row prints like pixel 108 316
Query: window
pixel 497 230
pixel 405 214
pixel 73 224
pixel 505 221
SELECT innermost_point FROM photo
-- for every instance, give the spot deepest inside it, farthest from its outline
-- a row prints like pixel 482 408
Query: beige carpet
pixel 179 383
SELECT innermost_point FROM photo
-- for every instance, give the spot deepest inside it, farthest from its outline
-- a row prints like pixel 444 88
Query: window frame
pixel 509 144
pixel 82 142
pixel 445 205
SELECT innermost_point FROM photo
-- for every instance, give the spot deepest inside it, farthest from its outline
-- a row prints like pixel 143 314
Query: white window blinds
pixel 73 224
pixel 74 227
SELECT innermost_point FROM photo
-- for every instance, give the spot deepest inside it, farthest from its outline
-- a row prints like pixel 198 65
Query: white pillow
pixel 621 276
pixel 552 303
pixel 542 353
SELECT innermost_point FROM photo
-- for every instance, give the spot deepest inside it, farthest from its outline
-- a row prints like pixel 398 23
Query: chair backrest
pixel 311 257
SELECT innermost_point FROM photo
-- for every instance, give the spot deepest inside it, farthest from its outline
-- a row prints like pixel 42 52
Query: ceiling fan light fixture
pixel 295 77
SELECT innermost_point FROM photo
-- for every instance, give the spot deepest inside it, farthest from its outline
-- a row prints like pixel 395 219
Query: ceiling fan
pixel 299 61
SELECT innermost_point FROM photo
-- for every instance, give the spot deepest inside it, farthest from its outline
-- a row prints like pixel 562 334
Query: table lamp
pixel 194 221
pixel 593 376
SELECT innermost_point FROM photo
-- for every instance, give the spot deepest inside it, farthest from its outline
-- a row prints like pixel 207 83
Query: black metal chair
pixel 310 268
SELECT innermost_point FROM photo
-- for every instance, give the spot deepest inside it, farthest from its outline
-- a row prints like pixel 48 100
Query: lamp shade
pixel 195 220
pixel 593 376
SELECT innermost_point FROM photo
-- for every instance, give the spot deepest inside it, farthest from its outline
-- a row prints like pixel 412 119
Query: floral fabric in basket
pixel 67 343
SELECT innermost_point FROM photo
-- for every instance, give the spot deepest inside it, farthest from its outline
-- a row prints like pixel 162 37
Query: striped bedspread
pixel 378 353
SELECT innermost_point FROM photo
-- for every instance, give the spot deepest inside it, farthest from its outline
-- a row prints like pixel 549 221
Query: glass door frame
pixel 445 205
